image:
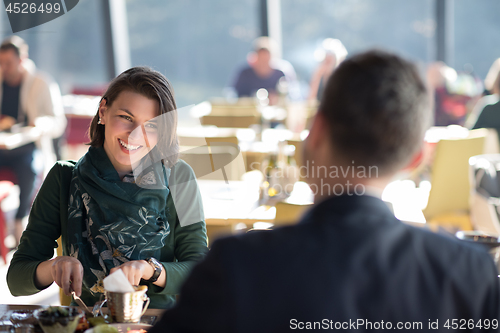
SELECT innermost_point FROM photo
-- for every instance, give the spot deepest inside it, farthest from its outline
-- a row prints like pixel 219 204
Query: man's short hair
pixel 377 110
pixel 264 43
pixel 16 44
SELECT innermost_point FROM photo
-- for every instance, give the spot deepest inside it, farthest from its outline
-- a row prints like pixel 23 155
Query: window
pixel 69 48
pixel 197 45
pixel 406 27
pixel 477 41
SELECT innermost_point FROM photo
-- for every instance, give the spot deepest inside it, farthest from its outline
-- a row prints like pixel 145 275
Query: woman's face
pixel 130 129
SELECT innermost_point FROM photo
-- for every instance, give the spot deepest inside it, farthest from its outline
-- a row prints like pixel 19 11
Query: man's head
pixel 12 51
pixel 374 112
pixel 264 48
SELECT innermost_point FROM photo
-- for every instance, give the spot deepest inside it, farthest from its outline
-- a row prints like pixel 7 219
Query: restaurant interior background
pixel 199 44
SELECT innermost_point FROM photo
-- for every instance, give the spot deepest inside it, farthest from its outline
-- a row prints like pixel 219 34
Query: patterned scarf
pixel 112 221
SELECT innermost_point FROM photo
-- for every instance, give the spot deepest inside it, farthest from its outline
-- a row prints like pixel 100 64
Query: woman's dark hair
pixel 153 85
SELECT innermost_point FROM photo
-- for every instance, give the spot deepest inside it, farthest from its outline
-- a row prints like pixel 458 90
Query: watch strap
pixel 157 266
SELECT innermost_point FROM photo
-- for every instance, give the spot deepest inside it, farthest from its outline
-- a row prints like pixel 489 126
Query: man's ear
pixel 415 161
pixel 318 132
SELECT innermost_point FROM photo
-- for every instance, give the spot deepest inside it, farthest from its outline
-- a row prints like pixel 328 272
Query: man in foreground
pixel 349 264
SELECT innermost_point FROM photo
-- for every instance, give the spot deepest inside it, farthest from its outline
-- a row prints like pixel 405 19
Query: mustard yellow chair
pixel 63 298
pixel 448 204
pixel 288 214
pixel 215 231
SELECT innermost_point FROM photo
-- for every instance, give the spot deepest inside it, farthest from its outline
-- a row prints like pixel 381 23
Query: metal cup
pixel 127 307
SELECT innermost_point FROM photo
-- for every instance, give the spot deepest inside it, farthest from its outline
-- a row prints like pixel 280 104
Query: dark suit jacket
pixel 349 260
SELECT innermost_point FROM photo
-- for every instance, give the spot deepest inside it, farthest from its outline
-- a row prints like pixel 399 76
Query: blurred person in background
pixel 348 260
pixel 489 115
pixel 452 93
pixel 28 98
pixel 331 54
pixel 492 80
pixel 491 96
pixel 264 70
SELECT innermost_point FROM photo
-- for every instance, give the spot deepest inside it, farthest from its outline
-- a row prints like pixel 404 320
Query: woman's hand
pixel 135 270
pixel 66 272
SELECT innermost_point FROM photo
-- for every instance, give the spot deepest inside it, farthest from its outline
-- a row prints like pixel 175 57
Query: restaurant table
pixel 21 137
pixel 232 207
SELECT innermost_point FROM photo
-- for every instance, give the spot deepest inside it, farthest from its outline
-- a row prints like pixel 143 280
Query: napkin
pixel 117 282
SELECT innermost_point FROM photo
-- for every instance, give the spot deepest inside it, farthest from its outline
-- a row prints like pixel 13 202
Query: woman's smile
pixel 128 148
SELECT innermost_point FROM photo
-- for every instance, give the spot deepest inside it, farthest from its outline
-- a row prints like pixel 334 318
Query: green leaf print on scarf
pixel 110 221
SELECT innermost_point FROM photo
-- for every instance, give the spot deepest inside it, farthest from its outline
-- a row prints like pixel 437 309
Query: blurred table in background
pixel 254 148
pixel 18 137
pixel 248 112
pixel 238 206
pixel 233 206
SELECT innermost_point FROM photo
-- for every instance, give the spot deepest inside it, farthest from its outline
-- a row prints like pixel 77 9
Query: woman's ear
pixel 102 109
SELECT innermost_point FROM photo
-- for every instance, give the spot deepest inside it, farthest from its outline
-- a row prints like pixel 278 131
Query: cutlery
pixel 81 304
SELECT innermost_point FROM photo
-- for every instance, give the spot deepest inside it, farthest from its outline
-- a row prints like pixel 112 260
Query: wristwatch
pixel 157 266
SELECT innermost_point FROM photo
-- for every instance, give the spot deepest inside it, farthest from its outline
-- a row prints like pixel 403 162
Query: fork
pixel 81 304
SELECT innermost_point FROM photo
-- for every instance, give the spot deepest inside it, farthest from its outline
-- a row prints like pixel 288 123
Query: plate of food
pixel 58 319
pixel 119 328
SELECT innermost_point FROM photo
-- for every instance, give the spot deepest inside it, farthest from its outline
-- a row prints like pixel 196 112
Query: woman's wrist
pixel 148 271
pixel 43 274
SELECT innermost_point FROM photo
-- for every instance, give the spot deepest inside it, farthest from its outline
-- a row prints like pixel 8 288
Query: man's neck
pixel 324 188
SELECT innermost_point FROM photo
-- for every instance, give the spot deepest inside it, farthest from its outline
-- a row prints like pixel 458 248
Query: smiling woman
pixel 114 207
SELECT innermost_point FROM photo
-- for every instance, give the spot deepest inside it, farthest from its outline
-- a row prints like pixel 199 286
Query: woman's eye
pixel 151 126
pixel 126 117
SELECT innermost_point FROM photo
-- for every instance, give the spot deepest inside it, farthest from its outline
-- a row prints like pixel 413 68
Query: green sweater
pixel 184 246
